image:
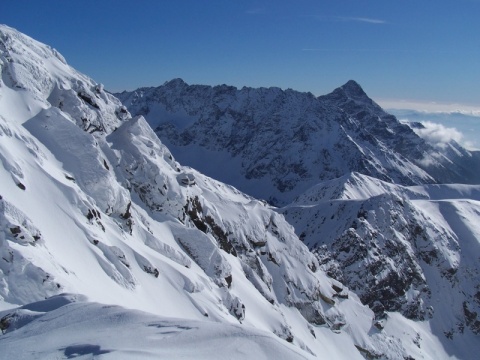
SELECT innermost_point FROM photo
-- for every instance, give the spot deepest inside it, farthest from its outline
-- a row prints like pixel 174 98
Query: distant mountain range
pixel 110 247
pixel 275 144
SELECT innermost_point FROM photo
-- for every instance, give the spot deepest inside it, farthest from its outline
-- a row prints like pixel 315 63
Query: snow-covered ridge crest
pixel 28 64
pixel 37 71
pixel 398 245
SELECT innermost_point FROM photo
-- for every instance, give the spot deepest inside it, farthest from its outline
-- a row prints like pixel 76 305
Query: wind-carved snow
pixel 102 229
pixel 224 229
pixel 81 157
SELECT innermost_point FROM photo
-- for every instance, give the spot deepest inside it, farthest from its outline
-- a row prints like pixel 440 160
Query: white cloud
pixel 361 19
pixel 438 135
pixel 461 125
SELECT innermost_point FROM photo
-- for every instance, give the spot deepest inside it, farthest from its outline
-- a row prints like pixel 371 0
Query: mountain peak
pixel 353 88
pixel 350 90
pixel 174 83
pixel 351 96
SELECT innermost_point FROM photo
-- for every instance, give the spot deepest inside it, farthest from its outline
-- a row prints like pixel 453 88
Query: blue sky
pixel 423 50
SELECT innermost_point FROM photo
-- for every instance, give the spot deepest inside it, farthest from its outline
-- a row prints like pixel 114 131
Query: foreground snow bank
pixel 66 326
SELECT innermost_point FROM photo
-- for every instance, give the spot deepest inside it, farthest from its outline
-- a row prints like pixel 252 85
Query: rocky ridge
pixel 275 144
pixel 398 247
pixel 364 193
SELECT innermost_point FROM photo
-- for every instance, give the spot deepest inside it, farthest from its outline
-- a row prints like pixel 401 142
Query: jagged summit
pixel 93 203
pixel 351 97
pixel 352 89
pixel 275 144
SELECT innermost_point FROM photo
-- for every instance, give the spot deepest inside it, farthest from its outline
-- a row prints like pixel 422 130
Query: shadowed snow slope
pixel 110 248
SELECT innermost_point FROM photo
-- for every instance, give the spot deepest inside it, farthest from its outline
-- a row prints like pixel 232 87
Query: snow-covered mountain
pixel 110 248
pixel 414 250
pixel 275 144
pixel 356 182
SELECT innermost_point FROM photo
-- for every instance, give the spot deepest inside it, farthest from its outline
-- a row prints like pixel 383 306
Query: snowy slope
pixel 275 144
pixel 93 206
pixel 412 250
pixel 61 327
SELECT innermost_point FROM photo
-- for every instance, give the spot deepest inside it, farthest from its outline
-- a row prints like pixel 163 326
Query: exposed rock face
pixel 275 144
pixel 116 166
pixel 397 247
pixel 257 237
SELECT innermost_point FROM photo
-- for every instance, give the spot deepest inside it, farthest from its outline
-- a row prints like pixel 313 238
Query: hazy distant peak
pixel 174 83
pixel 352 88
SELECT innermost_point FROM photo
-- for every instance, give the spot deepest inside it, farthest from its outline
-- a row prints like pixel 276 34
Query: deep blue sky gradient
pixel 423 50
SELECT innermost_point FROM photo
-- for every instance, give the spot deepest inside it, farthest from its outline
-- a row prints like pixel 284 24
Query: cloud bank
pixel 439 135
pixel 461 125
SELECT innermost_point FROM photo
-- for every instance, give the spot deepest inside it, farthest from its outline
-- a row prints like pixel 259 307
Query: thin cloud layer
pixel 351 19
pixel 462 126
pixel 362 19
pixel 429 106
